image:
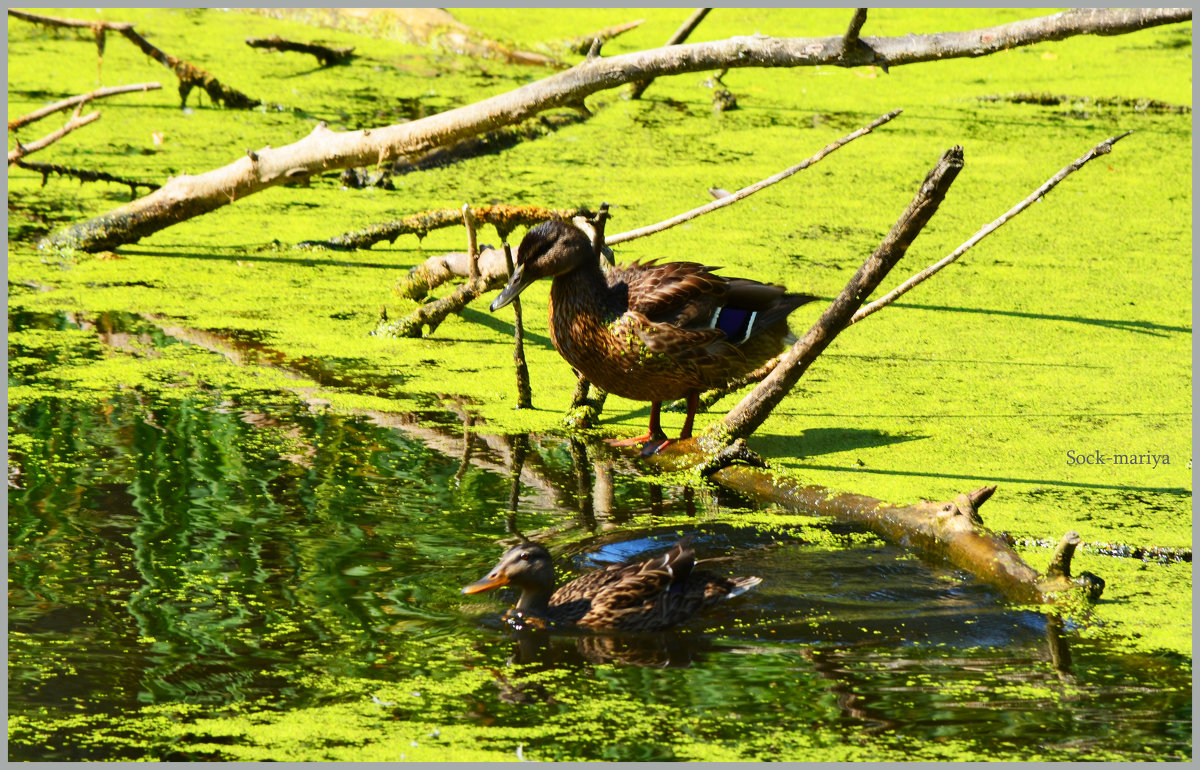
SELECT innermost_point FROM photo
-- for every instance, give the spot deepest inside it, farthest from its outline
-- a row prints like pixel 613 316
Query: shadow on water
pixel 205 549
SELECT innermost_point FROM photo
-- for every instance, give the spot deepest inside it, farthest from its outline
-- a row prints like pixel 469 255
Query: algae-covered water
pixel 239 522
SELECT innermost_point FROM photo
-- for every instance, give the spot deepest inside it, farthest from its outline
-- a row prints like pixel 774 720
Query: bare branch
pixel 680 35
pixel 472 243
pixel 1103 148
pixel 745 192
pixel 757 406
pixel 75 122
pixel 66 104
pixel 324 150
pixel 524 396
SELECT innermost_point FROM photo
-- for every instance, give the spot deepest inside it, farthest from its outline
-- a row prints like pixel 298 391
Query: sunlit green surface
pixel 201 568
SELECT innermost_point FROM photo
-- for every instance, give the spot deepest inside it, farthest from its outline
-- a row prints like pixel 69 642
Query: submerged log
pixel 950 531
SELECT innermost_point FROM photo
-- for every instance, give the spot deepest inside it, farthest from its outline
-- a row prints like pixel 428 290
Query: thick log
pixel 323 150
pixel 947 531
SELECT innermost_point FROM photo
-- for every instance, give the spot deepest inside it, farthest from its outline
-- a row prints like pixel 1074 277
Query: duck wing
pixel 689 295
pixel 636 589
pixel 677 293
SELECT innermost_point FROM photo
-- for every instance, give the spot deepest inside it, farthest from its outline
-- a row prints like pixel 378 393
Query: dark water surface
pixel 203 550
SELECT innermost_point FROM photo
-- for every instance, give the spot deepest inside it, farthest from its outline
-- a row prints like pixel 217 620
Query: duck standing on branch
pixel 647 331
pixel 649 595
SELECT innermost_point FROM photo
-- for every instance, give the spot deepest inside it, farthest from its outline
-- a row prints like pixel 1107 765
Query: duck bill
pixel 494 580
pixel 516 285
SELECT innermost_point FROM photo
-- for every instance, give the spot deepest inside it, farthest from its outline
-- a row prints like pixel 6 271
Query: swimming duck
pixel 649 331
pixel 649 595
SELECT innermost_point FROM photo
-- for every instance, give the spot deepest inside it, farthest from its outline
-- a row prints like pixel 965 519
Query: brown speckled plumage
pixel 648 595
pixel 648 331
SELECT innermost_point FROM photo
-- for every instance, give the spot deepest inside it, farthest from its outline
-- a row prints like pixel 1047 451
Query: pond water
pixel 201 556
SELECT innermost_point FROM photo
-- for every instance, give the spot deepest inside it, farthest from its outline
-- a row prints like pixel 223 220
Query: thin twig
pixel 524 398
pixel 581 45
pixel 1101 149
pixel 472 243
pixel 747 191
pixel 100 93
pixel 680 35
pixel 22 150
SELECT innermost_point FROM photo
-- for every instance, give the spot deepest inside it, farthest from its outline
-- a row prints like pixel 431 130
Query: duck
pixel 650 331
pixel 650 595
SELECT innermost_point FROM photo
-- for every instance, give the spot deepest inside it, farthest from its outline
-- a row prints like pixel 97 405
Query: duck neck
pixel 535 601
pixel 584 289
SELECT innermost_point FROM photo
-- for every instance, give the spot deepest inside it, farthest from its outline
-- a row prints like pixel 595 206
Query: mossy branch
pixel 190 76
pixel 323 150
pixel 504 218
pixel 83 175
pixel 950 531
pixel 325 54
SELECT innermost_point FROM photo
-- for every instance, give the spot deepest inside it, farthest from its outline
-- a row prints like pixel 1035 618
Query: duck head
pixel 528 567
pixel 548 250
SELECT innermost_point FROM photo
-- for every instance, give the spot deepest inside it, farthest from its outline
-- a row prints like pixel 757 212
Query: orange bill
pixel 494 580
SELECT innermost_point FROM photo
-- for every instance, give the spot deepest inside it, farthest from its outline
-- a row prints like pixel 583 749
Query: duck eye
pixel 524 557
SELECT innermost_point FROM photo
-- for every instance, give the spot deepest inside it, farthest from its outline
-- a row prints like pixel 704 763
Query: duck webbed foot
pixel 649 442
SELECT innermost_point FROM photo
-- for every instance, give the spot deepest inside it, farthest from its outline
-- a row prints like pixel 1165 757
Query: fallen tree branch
pixel 744 418
pixel 21 150
pixel 67 104
pixel 1103 148
pixel 680 35
pixel 327 55
pixel 745 192
pixel 82 174
pixel 323 150
pixel 189 75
